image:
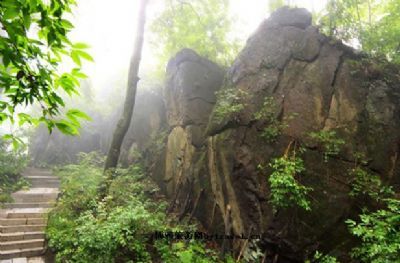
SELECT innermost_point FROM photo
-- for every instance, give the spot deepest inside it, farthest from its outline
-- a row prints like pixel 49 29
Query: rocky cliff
pixel 209 163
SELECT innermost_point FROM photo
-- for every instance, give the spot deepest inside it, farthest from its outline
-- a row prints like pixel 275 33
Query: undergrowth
pixel 12 163
pixel 120 227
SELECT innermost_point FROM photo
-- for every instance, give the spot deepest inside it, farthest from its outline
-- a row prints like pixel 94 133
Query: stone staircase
pixel 23 222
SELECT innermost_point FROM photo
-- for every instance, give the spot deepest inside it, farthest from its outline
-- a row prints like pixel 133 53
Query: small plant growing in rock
pixel 329 142
pixel 229 101
pixel 359 158
pixel 368 184
pixel 273 127
pixel 286 190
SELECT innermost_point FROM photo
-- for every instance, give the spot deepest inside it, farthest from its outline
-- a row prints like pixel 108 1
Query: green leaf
pixel 78 114
pixel 8 137
pixel 17 143
pixel 67 128
pixel 11 13
pixel 27 21
pixel 77 73
pixel 84 55
pixel 80 45
pixel 3 116
pixel 23 118
pixel 67 24
pixel 76 58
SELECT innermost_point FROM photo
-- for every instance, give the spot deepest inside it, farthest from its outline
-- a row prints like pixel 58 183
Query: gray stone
pixel 297 17
pixel 190 91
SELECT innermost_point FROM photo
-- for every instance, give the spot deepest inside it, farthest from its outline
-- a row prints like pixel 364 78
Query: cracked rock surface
pixel 208 167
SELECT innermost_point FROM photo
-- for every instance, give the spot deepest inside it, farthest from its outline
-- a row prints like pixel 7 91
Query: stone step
pixel 29 205
pixel 23 228
pixel 34 171
pixel 34 260
pixel 21 236
pixel 42 178
pixel 22 221
pixel 27 213
pixel 15 260
pixel 29 252
pixel 21 244
pixel 32 196
pixel 47 184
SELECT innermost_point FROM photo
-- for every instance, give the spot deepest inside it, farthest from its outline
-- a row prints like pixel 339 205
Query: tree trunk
pixel 125 120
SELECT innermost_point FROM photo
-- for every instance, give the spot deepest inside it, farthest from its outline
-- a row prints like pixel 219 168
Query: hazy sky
pixel 109 27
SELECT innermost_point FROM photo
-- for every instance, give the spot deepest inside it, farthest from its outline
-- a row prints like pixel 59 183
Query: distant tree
pixel 275 4
pixel 202 25
pixel 374 24
pixel 33 42
pixel 125 120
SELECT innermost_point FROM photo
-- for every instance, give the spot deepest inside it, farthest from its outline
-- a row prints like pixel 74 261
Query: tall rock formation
pixel 209 167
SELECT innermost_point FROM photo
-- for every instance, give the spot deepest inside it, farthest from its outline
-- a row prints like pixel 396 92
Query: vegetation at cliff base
pixel 122 226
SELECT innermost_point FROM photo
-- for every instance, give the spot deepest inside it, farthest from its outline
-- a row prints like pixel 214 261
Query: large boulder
pixel 317 84
pixel 190 90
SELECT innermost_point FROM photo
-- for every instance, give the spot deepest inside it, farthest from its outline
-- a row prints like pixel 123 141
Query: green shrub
pixel 79 184
pixel 118 228
pixel 366 184
pixel 379 233
pixel 12 163
pixel 229 101
pixel 187 252
pixel 329 142
pixel 81 229
pixel 273 127
pixel 286 191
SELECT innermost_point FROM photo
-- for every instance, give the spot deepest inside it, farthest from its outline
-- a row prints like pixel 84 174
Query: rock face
pixel 190 97
pixel 316 84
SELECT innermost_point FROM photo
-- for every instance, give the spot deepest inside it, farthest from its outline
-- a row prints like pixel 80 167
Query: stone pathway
pixel 22 223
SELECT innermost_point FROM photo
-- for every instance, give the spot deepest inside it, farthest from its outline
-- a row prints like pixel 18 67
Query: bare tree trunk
pixel 125 120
